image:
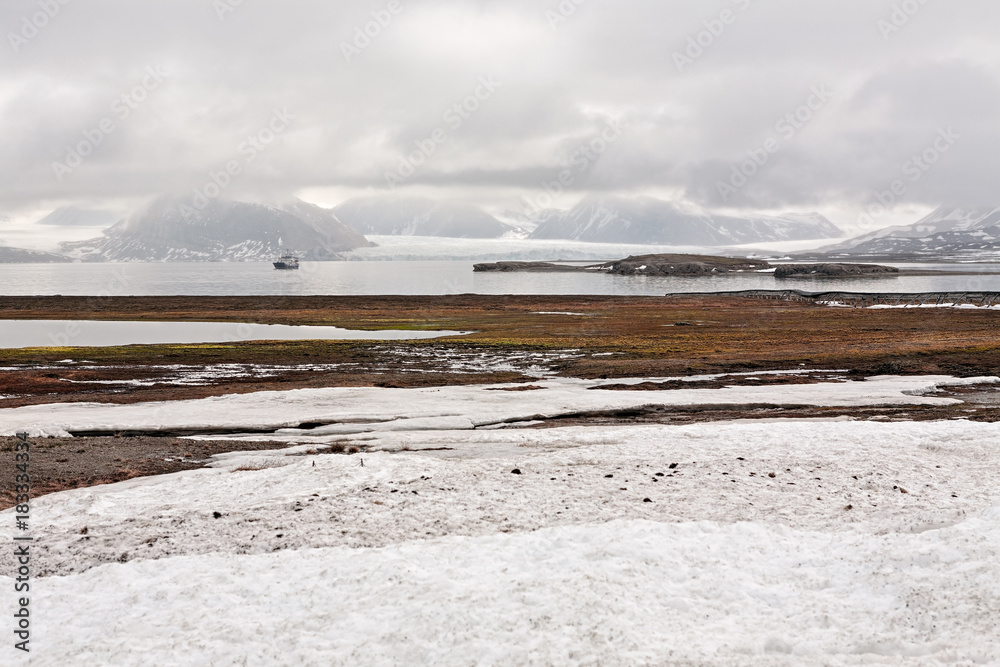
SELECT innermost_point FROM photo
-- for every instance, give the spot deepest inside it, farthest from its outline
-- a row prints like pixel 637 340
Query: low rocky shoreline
pixel 833 270
pixel 695 265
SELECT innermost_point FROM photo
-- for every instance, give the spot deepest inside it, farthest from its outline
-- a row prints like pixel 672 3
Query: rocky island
pixel 696 265
pixel 832 270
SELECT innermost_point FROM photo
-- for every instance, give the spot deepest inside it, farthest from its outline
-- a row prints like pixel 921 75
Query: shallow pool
pixel 92 333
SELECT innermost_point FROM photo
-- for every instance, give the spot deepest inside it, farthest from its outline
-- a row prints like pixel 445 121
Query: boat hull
pixel 285 266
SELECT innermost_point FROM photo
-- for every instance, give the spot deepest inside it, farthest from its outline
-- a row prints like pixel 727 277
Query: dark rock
pixel 832 270
pixel 682 265
pixel 642 265
pixel 515 471
pixel 508 267
pixel 217 515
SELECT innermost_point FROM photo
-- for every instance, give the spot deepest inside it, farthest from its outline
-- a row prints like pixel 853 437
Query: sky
pixel 763 105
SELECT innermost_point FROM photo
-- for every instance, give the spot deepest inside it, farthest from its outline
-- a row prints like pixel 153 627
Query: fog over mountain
pixel 73 216
pixel 418 216
pixel 494 104
pixel 172 229
pixel 649 220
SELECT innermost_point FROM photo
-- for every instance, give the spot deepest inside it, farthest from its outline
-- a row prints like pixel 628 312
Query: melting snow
pixel 792 542
pixel 358 409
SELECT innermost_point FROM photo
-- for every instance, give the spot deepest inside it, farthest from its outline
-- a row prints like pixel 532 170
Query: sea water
pixel 428 278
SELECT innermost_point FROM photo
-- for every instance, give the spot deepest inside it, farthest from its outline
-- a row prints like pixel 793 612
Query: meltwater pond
pixel 91 333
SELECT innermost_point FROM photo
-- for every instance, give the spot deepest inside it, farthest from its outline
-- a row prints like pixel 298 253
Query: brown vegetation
pixel 615 337
pixel 640 335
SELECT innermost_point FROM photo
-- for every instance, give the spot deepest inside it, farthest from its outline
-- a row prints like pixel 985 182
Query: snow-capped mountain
pixel 649 220
pixel 524 223
pixel 947 232
pixel 171 229
pixel 72 216
pixel 416 216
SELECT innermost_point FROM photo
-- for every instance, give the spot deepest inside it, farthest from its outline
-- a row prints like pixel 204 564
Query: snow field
pixel 619 593
pixel 873 543
pixel 360 409
pixel 289 503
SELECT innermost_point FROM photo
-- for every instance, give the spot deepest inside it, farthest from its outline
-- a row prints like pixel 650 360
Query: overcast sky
pixel 610 95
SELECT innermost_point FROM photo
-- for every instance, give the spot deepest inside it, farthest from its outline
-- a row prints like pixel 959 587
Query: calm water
pixel 79 333
pixel 420 277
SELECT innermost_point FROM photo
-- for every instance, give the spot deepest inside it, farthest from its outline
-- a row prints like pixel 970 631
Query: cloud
pixel 355 118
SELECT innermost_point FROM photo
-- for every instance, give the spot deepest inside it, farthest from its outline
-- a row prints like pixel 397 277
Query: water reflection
pixel 86 333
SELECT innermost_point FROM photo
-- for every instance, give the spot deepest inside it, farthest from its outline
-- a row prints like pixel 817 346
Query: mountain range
pixel 947 233
pixel 416 216
pixel 642 220
pixel 654 221
pixel 171 229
